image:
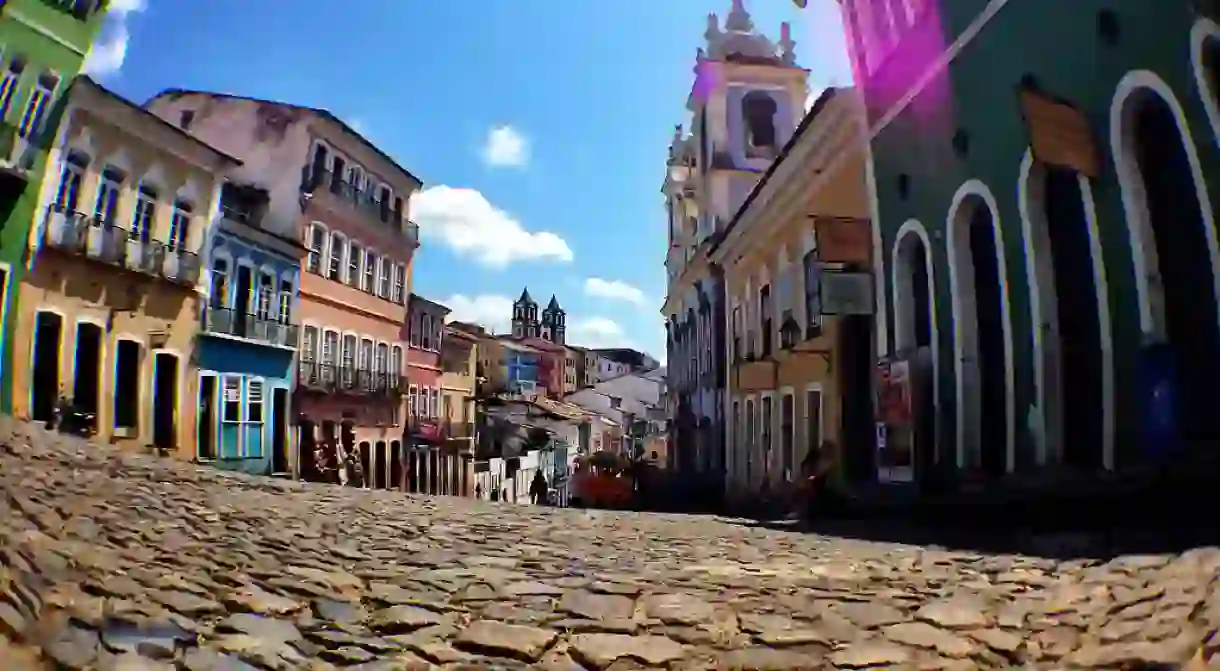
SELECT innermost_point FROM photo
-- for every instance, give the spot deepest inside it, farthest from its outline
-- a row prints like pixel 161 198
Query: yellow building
pixel 795 382
pixel 110 310
pixel 459 361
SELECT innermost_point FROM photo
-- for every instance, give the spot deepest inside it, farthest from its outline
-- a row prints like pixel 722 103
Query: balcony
pixel 332 188
pixel 105 242
pixel 229 322
pixel 349 380
pixel 454 429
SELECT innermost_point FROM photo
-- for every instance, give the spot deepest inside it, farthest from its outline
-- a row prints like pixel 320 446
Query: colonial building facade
pixel 1044 236
pixel 747 94
pixel 112 302
pixel 42 47
pixel 796 376
pixel 346 200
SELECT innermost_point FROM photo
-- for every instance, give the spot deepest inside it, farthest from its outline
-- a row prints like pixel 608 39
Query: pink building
pixel 424 329
pixel 345 201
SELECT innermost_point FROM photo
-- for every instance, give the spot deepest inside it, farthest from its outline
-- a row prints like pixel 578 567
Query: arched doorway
pixel 46 365
pixel 983 342
pixel 1205 55
pixel 1069 316
pixel 1174 249
pixel 915 329
pixel 396 465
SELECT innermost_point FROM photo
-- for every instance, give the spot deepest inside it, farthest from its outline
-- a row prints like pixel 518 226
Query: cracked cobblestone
pixel 121 562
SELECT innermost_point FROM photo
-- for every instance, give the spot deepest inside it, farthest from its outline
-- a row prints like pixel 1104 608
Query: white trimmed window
pixel 266 295
pixel 400 282
pixel 317 245
pixel 349 351
pixel 180 225
pixel 232 400
pixel 370 271
pixel 145 216
pixel 425 330
pixel 382 360
pixel 36 108
pixel 285 301
pixel 383 285
pixel 338 259
pixel 8 86
pixel 70 181
pixel 355 262
pixel 366 354
pixel 254 402
pixel 330 346
pixel 309 343
pixel 395 360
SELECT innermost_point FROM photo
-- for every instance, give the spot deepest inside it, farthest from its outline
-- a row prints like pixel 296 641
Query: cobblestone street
pixel 133 562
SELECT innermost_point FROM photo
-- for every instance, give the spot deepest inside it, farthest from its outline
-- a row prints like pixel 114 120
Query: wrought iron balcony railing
pixel 107 242
pixel 347 379
pixel 230 322
pixel 365 202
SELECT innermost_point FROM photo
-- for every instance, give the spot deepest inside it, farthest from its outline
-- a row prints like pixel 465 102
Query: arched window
pixel 220 283
pixel 266 295
pixel 337 262
pixel 70 181
pixel 758 111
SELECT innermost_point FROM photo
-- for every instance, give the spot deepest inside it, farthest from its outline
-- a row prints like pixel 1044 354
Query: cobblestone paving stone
pixel 131 563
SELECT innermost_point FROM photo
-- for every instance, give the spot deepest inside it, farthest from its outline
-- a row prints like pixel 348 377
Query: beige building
pixel 791 371
pixel 110 310
pixel 459 361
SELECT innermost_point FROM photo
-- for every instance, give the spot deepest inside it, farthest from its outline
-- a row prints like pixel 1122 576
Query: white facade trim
pixel 961 281
pixel 1135 199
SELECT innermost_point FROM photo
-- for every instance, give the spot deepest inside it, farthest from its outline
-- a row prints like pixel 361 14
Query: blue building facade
pixel 522 368
pixel 246 349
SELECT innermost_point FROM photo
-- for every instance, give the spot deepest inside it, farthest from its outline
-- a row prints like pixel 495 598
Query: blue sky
pixel 539 127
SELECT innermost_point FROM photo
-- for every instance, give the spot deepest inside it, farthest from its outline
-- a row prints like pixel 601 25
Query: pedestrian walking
pixel 478 491
pixel 538 488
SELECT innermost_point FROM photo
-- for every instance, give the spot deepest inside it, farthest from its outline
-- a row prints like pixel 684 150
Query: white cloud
pixel 491 311
pixel 614 289
pixel 597 332
pixel 463 220
pixel 108 52
pixel 505 147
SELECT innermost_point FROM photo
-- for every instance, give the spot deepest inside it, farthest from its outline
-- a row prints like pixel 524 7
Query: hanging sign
pixel 845 293
pixel 1059 134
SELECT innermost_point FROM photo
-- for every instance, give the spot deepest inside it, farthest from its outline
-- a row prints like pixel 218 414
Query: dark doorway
pixel 989 311
pixel 413 465
pixel 1184 261
pixel 856 398
pixel 914 342
pixel 1078 318
pixel 127 387
pixel 380 457
pixel 396 465
pixel 165 401
pixel 86 385
pixel 243 301
pixel 207 417
pixel 44 390
pixel 366 462
pixel 307 445
pixel 279 431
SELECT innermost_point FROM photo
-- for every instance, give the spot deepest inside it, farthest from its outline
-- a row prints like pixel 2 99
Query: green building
pixel 42 47
pixel 1046 183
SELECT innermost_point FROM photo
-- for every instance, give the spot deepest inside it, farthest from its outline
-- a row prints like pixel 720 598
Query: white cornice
pixel 814 160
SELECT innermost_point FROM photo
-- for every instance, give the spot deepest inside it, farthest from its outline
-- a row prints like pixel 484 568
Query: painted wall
pixel 245 447
pixel 975 95
pixel 83 291
pixel 522 366
pixel 55 42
